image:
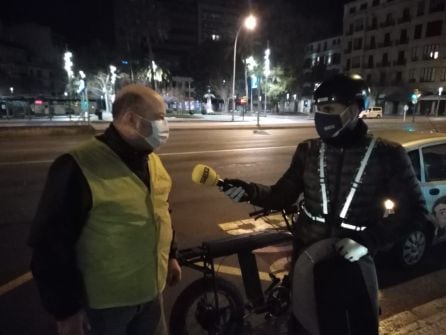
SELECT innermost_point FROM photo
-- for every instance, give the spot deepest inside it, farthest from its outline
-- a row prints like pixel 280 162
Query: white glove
pixel 236 193
pixel 350 249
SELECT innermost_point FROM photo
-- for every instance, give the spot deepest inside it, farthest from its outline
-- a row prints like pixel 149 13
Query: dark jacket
pixel 388 175
pixel 61 215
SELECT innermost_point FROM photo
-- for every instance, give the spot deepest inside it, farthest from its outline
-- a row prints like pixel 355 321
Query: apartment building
pixel 218 19
pixel 399 47
pixel 30 61
pixel 322 60
pixel 170 30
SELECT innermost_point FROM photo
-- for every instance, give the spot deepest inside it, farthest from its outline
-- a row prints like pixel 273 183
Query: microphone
pixel 205 175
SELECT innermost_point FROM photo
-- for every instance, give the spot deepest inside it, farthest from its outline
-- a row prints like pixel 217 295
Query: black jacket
pixel 388 175
pixel 61 215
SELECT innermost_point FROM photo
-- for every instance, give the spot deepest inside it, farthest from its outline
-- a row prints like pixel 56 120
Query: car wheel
pixel 411 250
pixel 379 116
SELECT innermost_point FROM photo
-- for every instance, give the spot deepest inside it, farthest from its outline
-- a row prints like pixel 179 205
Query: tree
pixel 211 64
pixel 102 86
pixel 277 86
pixel 290 25
pixel 153 75
pixel 223 90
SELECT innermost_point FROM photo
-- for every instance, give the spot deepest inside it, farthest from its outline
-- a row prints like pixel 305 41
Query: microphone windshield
pixel 205 175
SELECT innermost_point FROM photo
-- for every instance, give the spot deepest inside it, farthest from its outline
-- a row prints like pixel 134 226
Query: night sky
pixel 78 21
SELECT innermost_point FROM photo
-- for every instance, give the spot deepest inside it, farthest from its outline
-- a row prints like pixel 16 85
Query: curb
pixel 429 318
pixel 50 130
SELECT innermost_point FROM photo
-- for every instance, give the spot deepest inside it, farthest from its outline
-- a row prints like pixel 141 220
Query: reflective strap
pixel 357 179
pixel 312 217
pixel 352 227
pixel 322 179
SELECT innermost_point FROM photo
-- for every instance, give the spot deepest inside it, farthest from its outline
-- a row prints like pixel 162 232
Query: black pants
pixel 344 304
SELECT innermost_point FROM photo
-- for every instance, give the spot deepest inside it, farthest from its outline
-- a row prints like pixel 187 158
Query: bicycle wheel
pixel 195 312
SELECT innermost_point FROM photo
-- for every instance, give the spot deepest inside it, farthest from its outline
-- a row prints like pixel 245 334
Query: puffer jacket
pixel 388 175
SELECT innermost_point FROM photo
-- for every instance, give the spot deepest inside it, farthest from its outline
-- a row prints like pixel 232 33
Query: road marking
pixel 13 284
pixel 276 256
pixel 246 226
pixel 235 271
pixel 184 153
pixel 270 222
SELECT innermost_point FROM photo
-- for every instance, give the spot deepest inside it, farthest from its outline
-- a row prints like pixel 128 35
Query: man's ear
pixel 128 117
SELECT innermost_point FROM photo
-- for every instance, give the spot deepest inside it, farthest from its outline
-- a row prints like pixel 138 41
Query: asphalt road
pixel 235 153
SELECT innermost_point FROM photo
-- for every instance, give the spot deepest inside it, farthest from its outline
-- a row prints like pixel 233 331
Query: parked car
pixel 371 112
pixel 427 152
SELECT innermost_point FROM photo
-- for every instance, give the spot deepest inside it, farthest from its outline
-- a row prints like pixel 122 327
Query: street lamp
pixel 11 89
pixel 249 23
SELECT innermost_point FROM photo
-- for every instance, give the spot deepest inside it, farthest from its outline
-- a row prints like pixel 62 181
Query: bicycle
pixel 216 304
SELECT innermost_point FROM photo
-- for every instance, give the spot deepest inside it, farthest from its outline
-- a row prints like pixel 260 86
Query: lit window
pixel 215 37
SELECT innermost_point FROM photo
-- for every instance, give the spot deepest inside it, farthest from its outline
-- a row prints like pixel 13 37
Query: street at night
pixel 236 153
pixel 213 118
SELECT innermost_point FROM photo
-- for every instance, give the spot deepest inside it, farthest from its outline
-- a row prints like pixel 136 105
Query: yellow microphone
pixel 205 175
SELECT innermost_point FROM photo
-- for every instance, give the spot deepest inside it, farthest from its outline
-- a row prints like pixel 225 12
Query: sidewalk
pixel 63 125
pixel 426 319
pixel 175 120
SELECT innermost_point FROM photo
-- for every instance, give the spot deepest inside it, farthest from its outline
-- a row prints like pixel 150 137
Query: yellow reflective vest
pixel 124 246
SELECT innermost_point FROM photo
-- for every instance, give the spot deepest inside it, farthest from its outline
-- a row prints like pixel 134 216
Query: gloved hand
pixel 350 249
pixel 237 190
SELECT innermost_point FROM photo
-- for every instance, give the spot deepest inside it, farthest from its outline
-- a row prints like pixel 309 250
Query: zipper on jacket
pixel 337 188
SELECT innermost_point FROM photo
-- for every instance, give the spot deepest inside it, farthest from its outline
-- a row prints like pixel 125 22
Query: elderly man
pixel 102 237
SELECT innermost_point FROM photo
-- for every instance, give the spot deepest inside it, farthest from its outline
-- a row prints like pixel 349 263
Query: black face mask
pixel 330 125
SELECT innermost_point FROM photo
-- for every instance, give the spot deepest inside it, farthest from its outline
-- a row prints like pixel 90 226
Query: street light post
pixel 440 90
pixel 251 64
pixel 250 23
pixel 266 72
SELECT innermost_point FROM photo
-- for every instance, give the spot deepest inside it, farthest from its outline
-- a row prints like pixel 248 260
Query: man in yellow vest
pixel 102 239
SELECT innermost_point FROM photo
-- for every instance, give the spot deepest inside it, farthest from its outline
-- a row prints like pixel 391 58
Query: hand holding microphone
pixel 236 189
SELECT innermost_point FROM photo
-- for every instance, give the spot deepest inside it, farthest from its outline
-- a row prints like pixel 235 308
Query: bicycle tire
pixel 191 300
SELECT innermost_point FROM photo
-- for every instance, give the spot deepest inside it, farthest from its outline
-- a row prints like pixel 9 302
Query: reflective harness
pixel 355 184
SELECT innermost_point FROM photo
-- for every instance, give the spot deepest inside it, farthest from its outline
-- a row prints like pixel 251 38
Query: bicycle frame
pixel 201 258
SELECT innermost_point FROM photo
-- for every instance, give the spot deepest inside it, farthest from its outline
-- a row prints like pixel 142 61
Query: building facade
pixel 30 62
pixel 217 19
pixel 399 47
pixel 169 30
pixel 322 60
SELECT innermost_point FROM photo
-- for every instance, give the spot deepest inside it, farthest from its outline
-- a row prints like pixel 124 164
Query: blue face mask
pixel 329 125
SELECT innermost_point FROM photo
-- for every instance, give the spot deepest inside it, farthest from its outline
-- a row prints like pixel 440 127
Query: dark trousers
pixel 143 319
pixel 345 305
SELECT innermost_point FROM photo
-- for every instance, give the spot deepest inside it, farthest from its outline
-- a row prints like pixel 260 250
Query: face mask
pixel 329 125
pixel 160 133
